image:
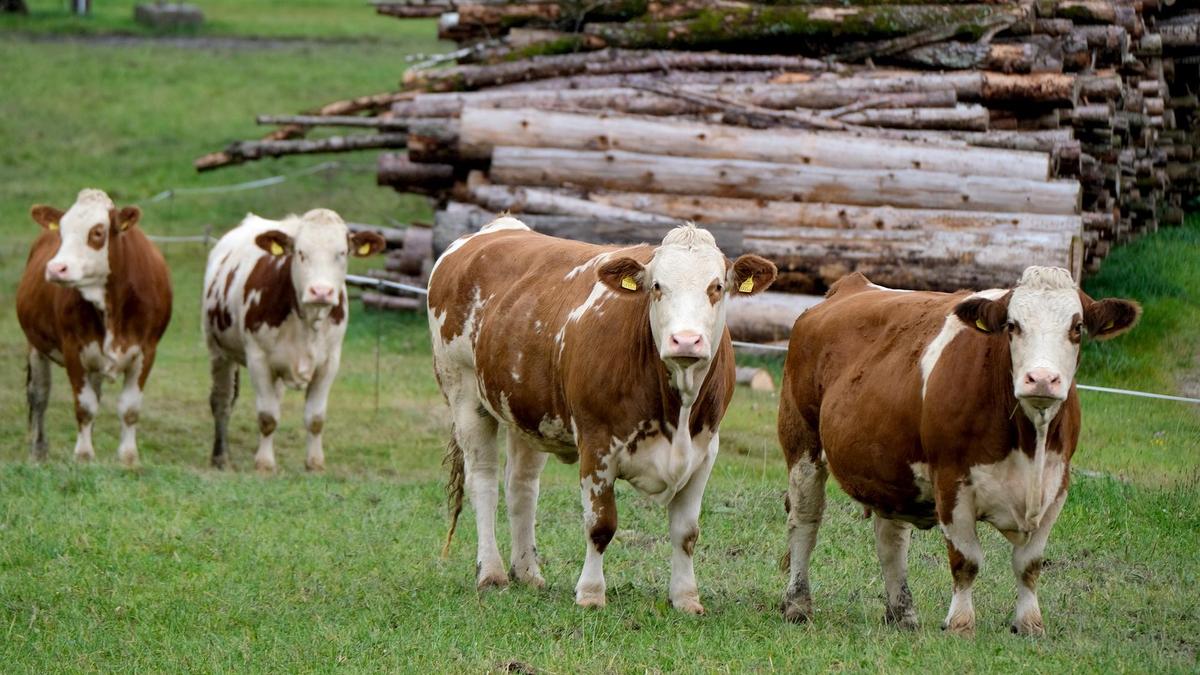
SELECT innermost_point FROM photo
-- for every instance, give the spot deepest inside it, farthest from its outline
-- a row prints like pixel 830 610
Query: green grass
pixel 176 567
pixel 314 19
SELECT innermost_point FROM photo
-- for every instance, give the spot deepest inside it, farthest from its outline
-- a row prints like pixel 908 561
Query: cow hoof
pixel 492 579
pixel 85 457
pixel 315 466
pixel 797 611
pixel 963 626
pixel 529 577
pixel 129 458
pixel 596 600
pixel 264 466
pixel 904 619
pixel 688 606
pixel 221 462
pixel 1030 627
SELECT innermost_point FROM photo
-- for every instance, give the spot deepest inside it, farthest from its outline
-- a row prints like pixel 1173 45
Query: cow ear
pixel 125 218
pixel 274 242
pixel 985 316
pixel 752 274
pixel 363 244
pixel 46 216
pixel 1108 318
pixel 623 275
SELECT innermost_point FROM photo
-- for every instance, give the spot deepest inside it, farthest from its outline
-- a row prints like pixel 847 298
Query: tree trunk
pixel 973 117
pixel 243 151
pixel 481 130
pixel 400 173
pixel 756 212
pixel 618 170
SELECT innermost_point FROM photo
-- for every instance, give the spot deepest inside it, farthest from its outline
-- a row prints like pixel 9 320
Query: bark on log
pixel 952 55
pixel 758 379
pixel 394 236
pixel 407 11
pixel 242 151
pixel 608 61
pixel 391 123
pixel 661 78
pixel 404 175
pixel 629 172
pixel 1043 140
pixel 973 117
pixel 482 130
pixel 778 27
pixel 615 99
pixel 433 140
pixel 376 300
pixel 766 317
pixel 757 212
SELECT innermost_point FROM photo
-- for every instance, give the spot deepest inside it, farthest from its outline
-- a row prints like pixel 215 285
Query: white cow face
pixel 85 230
pixel 1044 318
pixel 319 252
pixel 688 280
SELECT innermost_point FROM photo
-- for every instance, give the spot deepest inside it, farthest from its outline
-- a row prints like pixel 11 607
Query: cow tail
pixel 453 460
pixel 28 387
pixel 237 385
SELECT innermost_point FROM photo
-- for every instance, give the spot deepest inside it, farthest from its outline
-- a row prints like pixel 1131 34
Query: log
pixel 660 78
pixel 390 123
pixel 482 130
pixel 953 55
pixel 778 28
pixel 972 117
pixel 756 212
pixel 399 172
pixel 1041 140
pixel 376 300
pixel 243 151
pixel 394 236
pixel 627 171
pixel 615 99
pixel 758 379
pixel 500 198
pixel 608 61
pixel 433 140
pixel 766 317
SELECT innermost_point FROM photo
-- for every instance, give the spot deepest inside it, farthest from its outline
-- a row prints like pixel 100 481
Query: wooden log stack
pixel 928 143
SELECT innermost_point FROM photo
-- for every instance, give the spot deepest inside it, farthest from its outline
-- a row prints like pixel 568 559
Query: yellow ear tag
pixel 1107 326
pixel 364 249
pixel 276 249
pixel 629 284
pixel 982 326
pixel 53 226
pixel 747 285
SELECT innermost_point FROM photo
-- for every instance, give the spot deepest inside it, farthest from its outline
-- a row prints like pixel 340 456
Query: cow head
pixel 85 232
pixel 1045 318
pixel 319 250
pixel 688 281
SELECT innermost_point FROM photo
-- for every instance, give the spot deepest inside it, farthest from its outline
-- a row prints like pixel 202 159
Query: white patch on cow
pixel 1043 304
pixel 885 288
pixel 951 327
pixel 599 294
pixel 592 263
pixel 923 481
pixel 498 225
pixel 537 327
pixel 1000 489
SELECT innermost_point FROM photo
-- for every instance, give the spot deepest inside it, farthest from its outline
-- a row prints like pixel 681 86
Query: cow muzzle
pixel 1041 388
pixel 686 348
pixel 320 294
pixel 58 273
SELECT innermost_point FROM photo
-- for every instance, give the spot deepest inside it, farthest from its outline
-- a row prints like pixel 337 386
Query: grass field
pixel 176 567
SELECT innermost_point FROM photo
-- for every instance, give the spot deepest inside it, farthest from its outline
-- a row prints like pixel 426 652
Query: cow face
pixel 688 280
pixel 319 251
pixel 85 232
pixel 1045 318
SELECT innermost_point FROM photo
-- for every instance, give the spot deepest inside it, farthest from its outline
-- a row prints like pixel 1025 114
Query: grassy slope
pixel 178 567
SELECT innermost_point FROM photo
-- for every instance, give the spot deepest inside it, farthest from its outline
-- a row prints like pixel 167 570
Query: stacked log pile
pixel 933 144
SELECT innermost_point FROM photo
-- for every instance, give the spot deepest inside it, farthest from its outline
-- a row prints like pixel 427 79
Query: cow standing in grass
pixel 616 357
pixel 96 298
pixel 939 409
pixel 275 302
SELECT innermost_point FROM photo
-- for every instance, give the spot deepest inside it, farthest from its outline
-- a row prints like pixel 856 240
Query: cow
pixel 95 298
pixel 615 357
pixel 275 302
pixel 938 409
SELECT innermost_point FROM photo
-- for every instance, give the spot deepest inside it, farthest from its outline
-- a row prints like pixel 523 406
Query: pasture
pixel 176 567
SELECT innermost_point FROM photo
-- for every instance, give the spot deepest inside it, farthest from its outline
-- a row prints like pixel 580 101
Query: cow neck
pixel 1030 430
pixel 120 297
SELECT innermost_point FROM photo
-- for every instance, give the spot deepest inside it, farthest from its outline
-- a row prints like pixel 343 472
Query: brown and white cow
pixel 939 409
pixel 275 302
pixel 96 298
pixel 616 357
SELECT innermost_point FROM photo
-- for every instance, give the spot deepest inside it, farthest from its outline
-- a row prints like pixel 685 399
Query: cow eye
pixel 1013 327
pixel 657 286
pixel 720 287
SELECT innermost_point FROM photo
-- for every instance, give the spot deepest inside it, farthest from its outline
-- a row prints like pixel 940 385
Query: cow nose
pixel 1042 383
pixel 687 344
pixel 321 294
pixel 56 270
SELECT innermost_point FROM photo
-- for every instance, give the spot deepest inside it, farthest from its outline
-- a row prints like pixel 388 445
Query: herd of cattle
pixel 929 408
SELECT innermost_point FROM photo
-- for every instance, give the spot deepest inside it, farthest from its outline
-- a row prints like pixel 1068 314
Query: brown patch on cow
pixel 715 291
pixel 338 313
pixel 1029 577
pixel 623 271
pixel 95 239
pixel 266 424
pixel 1075 332
pixel 46 216
pixel 316 425
pixel 130 418
pixel 759 270
pixel 1108 318
pixel 984 315
pixel 228 280
pixel 271 276
pixel 689 541
pixel 219 317
pixel 962 569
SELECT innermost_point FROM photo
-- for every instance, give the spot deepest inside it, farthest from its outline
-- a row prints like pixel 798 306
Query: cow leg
pixel 268 392
pixel 522 476
pixel 129 406
pixel 684 513
pixel 1027 566
pixel 475 431
pixel 891 545
pixel 806 507
pixel 597 483
pixel 316 397
pixel 966 557
pixel 220 400
pixel 37 393
pixel 86 387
